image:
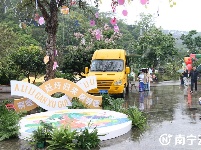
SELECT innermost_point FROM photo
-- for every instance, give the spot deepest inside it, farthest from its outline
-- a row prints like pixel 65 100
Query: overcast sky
pixel 185 16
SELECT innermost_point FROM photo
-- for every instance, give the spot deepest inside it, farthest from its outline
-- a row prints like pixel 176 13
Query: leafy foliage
pixel 77 104
pixel 38 135
pixel 8 71
pixel 87 139
pixel 192 41
pixel 138 118
pixel 78 57
pixel 65 138
pixel 42 134
pixel 8 40
pixel 197 62
pixel 29 60
pixel 76 60
pixel 135 115
pixel 68 76
pixel 9 120
pixel 110 103
pixel 155 47
pixel 62 138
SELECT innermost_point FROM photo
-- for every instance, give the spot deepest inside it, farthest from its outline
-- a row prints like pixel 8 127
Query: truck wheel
pixel 127 88
pixel 123 95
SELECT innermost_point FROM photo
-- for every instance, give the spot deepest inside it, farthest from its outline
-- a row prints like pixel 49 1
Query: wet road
pixel 173 115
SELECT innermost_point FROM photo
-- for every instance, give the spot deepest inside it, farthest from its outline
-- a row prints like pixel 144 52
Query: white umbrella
pixel 180 70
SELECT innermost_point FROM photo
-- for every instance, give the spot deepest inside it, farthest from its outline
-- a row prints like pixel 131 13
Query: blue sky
pixel 184 16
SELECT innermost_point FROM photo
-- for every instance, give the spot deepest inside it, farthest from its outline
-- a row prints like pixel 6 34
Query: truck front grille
pixel 104 84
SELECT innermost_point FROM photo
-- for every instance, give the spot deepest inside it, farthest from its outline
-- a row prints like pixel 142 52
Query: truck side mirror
pixel 86 70
pixel 128 70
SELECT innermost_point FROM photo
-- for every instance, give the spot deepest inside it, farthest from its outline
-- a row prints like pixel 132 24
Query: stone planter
pixel 5 89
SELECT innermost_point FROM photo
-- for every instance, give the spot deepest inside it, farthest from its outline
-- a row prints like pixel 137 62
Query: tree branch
pixel 43 10
pixel 61 3
pixel 46 2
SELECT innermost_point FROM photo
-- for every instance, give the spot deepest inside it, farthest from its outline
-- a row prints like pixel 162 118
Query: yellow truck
pixel 110 67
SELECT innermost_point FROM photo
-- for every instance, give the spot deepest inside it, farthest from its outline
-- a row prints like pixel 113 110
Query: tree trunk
pixel 51 29
pixel 50 48
pixel 50 14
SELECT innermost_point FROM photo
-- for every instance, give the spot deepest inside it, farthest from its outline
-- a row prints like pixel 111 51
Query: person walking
pixel 182 78
pixel 141 83
pixel 149 80
pixel 185 77
pixel 193 75
pixel 145 81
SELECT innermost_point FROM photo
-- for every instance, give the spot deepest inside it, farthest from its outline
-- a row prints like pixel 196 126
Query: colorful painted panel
pixel 77 119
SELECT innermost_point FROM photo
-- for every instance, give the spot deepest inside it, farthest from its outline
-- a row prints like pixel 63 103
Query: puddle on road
pixel 170 109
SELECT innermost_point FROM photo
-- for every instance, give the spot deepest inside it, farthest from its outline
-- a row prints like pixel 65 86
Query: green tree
pixel 49 10
pixel 8 71
pixel 140 27
pixel 192 41
pixel 155 47
pixel 145 23
pixel 29 60
pixel 127 39
pixel 11 38
pixel 79 57
pixel 8 40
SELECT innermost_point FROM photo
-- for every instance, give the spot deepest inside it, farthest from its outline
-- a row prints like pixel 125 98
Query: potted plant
pixel 38 137
pixel 41 135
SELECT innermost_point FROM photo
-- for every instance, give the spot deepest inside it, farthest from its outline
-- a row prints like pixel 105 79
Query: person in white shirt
pixel 141 83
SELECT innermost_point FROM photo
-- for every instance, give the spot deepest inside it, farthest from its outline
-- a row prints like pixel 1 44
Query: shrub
pixel 41 135
pixel 62 138
pixel 9 120
pixel 68 76
pixel 87 139
pixel 110 103
pixel 38 137
pixel 137 117
pixel 77 104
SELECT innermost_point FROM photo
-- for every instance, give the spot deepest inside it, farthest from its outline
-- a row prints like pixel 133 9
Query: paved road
pixel 174 115
pixel 172 112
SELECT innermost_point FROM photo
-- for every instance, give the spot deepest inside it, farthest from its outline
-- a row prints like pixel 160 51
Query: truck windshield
pixel 107 65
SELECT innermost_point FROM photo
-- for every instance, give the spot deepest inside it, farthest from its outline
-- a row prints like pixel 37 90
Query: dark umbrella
pixel 199 68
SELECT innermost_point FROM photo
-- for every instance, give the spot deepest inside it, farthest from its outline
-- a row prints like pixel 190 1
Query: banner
pixel 41 95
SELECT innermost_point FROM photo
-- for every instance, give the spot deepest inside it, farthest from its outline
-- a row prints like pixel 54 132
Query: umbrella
pixel 198 68
pixel 180 70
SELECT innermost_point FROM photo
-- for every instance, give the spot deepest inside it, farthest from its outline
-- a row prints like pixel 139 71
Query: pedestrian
pixel 155 79
pixel 145 80
pixel 149 78
pixel 182 79
pixel 193 75
pixel 141 83
pixel 185 77
pixel 132 80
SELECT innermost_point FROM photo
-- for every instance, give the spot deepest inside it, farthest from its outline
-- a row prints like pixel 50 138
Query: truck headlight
pixel 119 82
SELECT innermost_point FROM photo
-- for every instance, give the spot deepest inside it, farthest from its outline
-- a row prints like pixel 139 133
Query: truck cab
pixel 111 71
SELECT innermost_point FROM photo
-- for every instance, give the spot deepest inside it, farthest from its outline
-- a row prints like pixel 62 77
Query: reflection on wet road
pixel 173 115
